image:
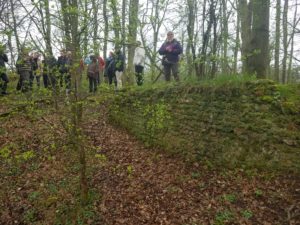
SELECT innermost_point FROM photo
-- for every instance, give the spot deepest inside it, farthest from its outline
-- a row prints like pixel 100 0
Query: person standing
pixel 35 69
pixel 62 68
pixel 3 75
pixel 50 67
pixel 170 50
pixel 139 62
pixel 119 63
pixel 92 73
pixel 109 71
pixel 23 66
pixel 101 64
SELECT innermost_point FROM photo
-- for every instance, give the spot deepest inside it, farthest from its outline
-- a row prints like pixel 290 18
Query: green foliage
pixel 156 118
pixel 30 216
pixel 5 152
pixel 223 217
pixel 102 158
pixel 196 175
pixel 236 121
pixel 229 198
pixel 247 214
pixel 258 193
pixel 25 156
pixel 33 196
pixel 76 214
pixel 129 169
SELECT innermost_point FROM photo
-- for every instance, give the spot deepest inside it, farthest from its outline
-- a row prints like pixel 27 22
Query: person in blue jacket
pixel 170 50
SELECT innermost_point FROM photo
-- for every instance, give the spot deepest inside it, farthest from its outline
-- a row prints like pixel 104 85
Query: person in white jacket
pixel 139 63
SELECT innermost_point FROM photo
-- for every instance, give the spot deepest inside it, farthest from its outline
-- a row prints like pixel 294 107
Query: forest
pixel 182 112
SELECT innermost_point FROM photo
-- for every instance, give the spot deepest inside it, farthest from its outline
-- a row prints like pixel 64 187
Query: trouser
pixel 93 84
pixel 45 80
pixel 31 80
pixel 23 83
pixel 53 80
pixel 171 68
pixel 98 79
pixel 5 80
pixel 38 80
pixel 61 79
pixel 119 79
pixel 68 81
pixel 139 74
pixel 111 78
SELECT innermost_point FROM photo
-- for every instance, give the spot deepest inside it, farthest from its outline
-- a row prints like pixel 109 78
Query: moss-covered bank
pixel 254 124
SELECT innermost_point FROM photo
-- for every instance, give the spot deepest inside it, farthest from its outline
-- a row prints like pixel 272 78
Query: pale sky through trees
pixel 175 19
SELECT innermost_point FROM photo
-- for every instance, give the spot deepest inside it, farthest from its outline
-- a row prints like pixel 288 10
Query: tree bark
pixel 116 24
pixel 285 41
pixel 225 36
pixel 259 59
pixel 277 41
pixel 245 14
pixel 190 49
pixel 105 17
pixel 132 35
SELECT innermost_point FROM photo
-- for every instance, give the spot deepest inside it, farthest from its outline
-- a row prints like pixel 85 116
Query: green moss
pixel 267 98
pixel 248 125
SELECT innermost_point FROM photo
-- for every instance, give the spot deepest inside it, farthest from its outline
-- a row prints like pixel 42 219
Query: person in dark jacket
pixel 50 71
pixel 62 66
pixel 35 69
pixel 170 50
pixel 23 66
pixel 109 71
pixel 119 64
pixel 3 75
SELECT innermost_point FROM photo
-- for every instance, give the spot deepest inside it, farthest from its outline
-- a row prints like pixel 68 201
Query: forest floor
pixel 130 183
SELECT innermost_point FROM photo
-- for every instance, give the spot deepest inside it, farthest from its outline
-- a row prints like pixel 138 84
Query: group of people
pixel 31 67
pixel 55 73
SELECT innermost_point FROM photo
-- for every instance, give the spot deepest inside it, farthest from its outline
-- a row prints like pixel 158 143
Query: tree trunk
pixel 285 40
pixel 215 42
pixel 116 24
pixel 205 41
pixel 132 34
pixel 292 37
pixel 66 24
pixel 192 7
pixel 237 43
pixel 96 26
pixel 259 59
pixel 225 36
pixel 12 10
pixel 71 19
pixel 277 40
pixel 245 13
pixel 124 4
pixel 105 17
pixel 48 28
pixel 84 46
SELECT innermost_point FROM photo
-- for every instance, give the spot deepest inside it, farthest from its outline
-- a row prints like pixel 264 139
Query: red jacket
pixel 101 63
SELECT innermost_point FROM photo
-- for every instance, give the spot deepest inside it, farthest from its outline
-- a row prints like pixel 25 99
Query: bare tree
pixel 285 40
pixel 277 40
pixel 132 36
